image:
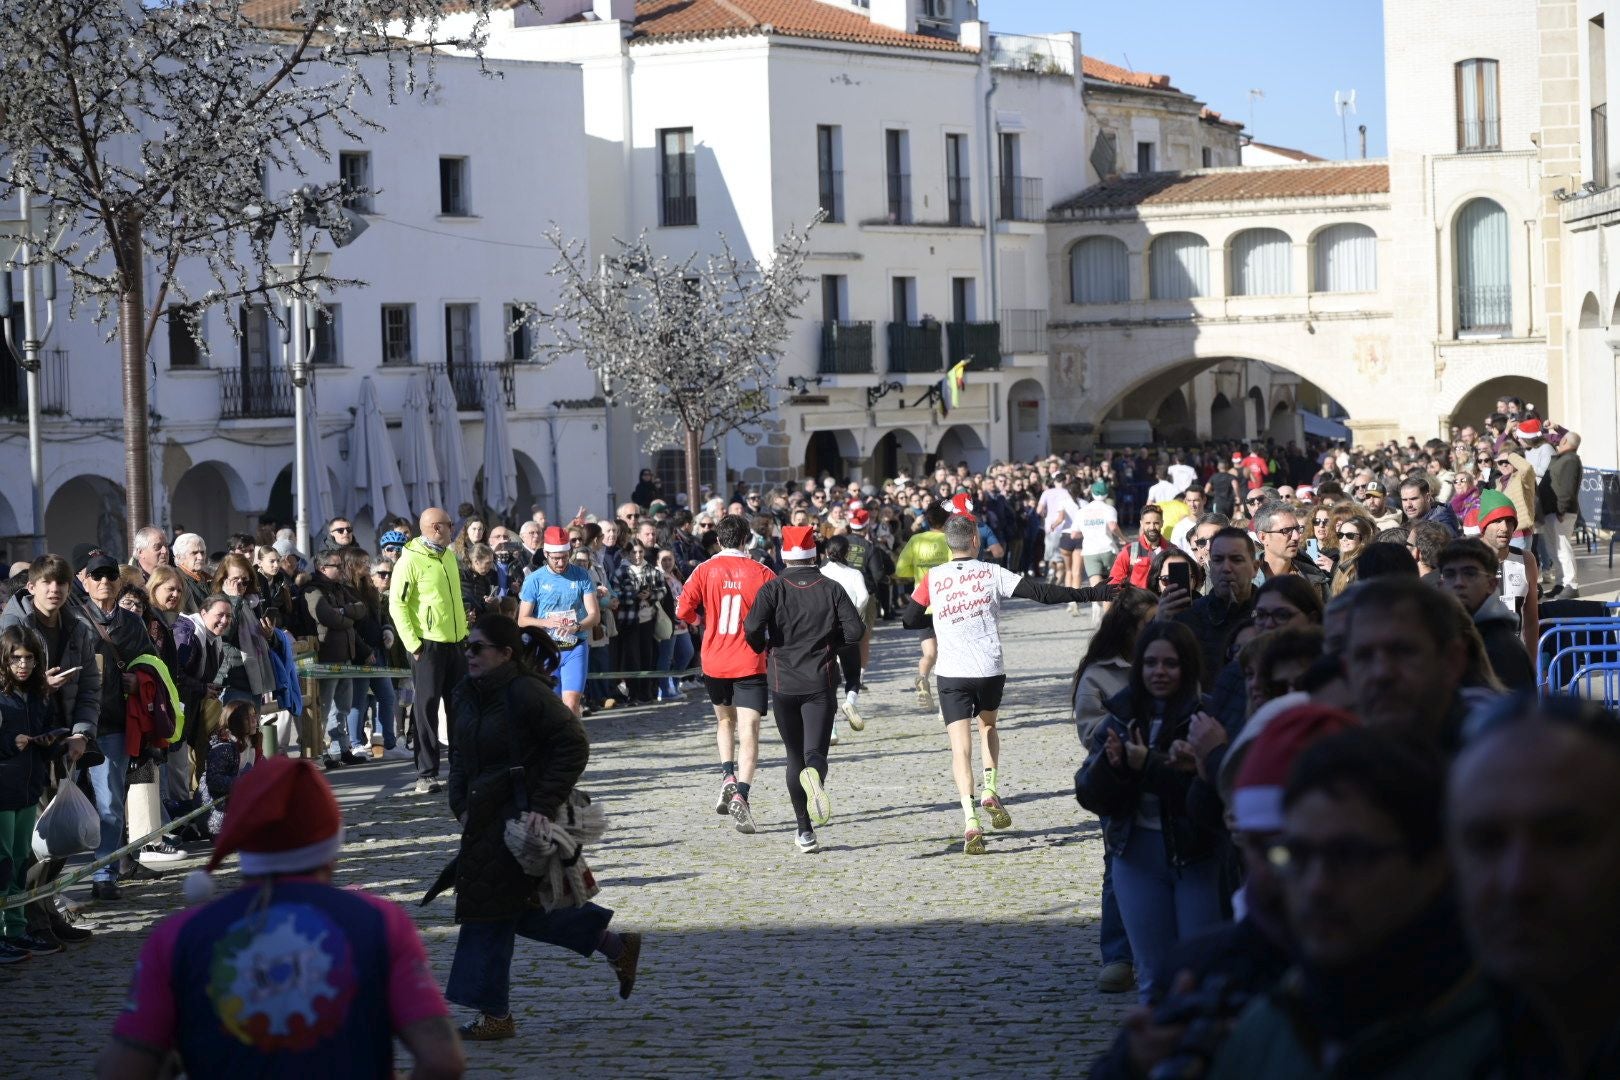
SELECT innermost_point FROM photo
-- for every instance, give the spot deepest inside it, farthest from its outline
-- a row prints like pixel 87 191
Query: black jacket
pixel 1212 619
pixel 800 620
pixel 125 640
pixel 24 773
pixel 1499 630
pixel 1559 491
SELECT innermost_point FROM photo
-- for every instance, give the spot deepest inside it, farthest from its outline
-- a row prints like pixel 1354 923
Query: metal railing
pixel 1019 199
pixel 467 380
pixel 1028 52
pixel 898 188
pixel 846 348
pixel 979 342
pixel 53 383
pixel 915 347
pixel 1023 330
pixel 831 193
pixel 255 393
pixel 958 200
pixel 1478 136
pixel 677 190
pixel 1484 308
pixel 1600 145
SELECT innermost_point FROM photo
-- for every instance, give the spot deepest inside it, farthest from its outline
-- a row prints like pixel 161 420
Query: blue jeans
pixel 681 658
pixel 666 652
pixel 110 782
pixel 600 659
pixel 1162 904
pixel 337 695
pixel 382 716
pixel 481 973
pixel 1116 944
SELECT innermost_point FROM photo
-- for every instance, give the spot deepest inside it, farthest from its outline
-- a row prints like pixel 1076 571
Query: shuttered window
pixel 1178 266
pixel 1260 263
pixel 1099 271
pixel 1346 259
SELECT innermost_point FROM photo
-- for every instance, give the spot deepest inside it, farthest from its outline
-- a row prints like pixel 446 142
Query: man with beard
pixel 1213 617
pixel 1136 561
pixel 1281 533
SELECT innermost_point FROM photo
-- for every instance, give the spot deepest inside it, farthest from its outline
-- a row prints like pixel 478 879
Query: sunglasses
pixel 338 532
pixel 384 574
pixel 104 575
pixel 1320 521
pixel 1255 500
pixel 1350 534
pixel 1504 463
pixel 474 648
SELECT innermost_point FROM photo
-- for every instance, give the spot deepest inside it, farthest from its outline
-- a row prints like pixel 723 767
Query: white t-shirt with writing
pixel 1095 518
pixel 966 596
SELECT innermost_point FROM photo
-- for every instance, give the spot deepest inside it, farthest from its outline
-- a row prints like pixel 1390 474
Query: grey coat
pixel 81 695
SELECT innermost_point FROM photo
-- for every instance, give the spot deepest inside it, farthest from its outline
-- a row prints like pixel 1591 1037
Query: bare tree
pixel 149 124
pixel 692 347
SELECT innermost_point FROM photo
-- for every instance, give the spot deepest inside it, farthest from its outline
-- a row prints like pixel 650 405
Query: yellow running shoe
pixel 820 801
pixel 999 818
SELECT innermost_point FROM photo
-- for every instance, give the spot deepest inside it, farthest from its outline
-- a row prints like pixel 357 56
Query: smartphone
pixel 1313 549
pixel 69 671
pixel 1180 575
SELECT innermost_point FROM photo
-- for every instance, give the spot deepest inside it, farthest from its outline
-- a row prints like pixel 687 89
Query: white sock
pixel 851 698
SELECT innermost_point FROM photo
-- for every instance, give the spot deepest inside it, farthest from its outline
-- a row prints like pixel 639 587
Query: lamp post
pixel 21 236
pixel 298 339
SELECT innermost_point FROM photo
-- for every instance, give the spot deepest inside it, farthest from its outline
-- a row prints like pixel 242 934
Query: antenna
pixel 1255 94
pixel 1344 102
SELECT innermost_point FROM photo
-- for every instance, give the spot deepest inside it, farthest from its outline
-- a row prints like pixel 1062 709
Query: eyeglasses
pixel 1319 522
pixel 384 574
pixel 1273 616
pixel 1292 530
pixel 1200 542
pixel 1349 534
pixel 1295 856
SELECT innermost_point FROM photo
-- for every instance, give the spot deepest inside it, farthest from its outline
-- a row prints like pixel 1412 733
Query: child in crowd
pixel 232 750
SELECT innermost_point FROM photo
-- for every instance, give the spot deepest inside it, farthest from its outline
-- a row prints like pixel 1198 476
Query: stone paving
pixel 890 953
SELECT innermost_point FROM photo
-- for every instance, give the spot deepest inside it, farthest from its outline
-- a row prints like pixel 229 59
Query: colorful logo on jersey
pixel 283 978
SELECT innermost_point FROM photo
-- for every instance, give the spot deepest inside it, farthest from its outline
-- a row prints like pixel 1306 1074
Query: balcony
pixel 677 192
pixel 897 185
pixel 958 200
pixel 1020 199
pixel 846 348
pixel 255 393
pixel 831 191
pixel 1038 53
pixel 979 343
pixel 1023 330
pixel 915 347
pixel 53 370
pixel 1484 309
pixel 467 380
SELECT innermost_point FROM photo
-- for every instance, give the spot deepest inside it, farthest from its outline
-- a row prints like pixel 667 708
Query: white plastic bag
pixel 68 826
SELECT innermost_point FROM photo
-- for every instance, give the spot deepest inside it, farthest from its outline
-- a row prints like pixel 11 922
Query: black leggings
pixel 805 723
pixel 849 659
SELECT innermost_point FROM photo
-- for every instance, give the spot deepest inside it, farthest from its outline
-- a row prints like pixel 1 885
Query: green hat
pixel 1099 488
pixel 1494 506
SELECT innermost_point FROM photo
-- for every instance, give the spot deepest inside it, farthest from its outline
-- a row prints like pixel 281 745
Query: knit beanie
pixel 1494 506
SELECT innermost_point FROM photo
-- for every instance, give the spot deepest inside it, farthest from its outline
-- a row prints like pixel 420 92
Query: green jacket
pixel 424 597
pixel 922 553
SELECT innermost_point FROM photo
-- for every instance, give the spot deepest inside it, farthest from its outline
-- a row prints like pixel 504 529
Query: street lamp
pixel 19 238
pixel 298 338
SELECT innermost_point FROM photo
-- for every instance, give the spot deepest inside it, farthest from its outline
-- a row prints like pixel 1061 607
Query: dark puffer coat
pixel 506 720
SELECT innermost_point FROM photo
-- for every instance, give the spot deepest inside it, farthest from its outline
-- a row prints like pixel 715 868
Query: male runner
pixel 723 589
pixel 965 596
pixel 922 553
pixel 560 599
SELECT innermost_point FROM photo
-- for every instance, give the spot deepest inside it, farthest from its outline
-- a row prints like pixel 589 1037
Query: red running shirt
pixel 723 589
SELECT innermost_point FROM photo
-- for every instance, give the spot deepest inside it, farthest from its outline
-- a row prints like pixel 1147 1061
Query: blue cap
pixel 391 537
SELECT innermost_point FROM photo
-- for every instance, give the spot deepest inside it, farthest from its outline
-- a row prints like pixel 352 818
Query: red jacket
pixel 1134 562
pixel 149 715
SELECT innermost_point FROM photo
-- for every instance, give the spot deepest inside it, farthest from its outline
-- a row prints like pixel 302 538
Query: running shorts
pixel 1099 565
pixel 572 667
pixel 1071 543
pixel 747 692
pixel 926 633
pixel 965 698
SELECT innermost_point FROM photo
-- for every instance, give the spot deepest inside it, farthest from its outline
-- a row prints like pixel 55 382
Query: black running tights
pixel 805 723
pixel 849 658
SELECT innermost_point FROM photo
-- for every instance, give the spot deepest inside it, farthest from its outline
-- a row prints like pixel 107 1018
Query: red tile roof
pixel 1233 185
pixel 1211 116
pixel 1103 71
pixel 1285 151
pixel 656 19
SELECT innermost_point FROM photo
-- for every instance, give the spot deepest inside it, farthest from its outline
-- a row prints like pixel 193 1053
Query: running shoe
pixel 162 851
pixel 629 959
pixel 856 721
pixel 999 818
pixel 728 788
pixel 820 802
pixel 925 694
pixel 485 1028
pixel 741 815
pixel 973 841
pixel 1074 609
pixel 808 845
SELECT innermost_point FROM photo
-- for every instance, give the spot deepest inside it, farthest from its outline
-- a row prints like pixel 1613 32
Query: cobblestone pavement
pixel 889 954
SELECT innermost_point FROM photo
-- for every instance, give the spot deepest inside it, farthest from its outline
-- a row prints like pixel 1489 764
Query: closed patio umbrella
pixel 317 481
pixel 376 483
pixel 455 487
pixel 500 464
pixel 419 467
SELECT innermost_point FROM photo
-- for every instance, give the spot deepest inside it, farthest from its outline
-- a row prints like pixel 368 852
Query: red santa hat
pixel 1530 427
pixel 962 503
pixel 859 519
pixel 282 819
pixel 555 541
pixel 1305 493
pixel 1236 457
pixel 1257 794
pixel 798 542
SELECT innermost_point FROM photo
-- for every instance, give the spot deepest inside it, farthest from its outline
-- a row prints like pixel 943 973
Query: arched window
pixel 1178 266
pixel 1479 119
pixel 1099 271
pixel 1346 259
pixel 1260 263
pixel 1484 270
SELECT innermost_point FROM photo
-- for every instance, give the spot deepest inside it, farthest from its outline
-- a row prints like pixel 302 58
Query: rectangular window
pixel 1209 157
pixel 897 175
pixel 830 170
pixel 519 334
pixel 326 336
pixel 454 198
pixel 677 177
pixel 354 170
pixel 958 209
pixel 1146 157
pixel 398 346
pixel 903 292
pixel 459 344
pixel 255 324
pixel 832 297
pixel 670 467
pixel 962 306
pixel 184 323
pixel 1479 123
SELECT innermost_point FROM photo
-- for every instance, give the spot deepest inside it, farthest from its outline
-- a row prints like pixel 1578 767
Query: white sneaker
pixel 1074 608
pixel 856 721
pixel 925 694
pixel 833 741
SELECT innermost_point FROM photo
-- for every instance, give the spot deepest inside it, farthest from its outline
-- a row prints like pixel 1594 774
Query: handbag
pixel 69 825
pixel 663 628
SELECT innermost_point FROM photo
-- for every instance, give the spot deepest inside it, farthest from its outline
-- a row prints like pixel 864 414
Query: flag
pixel 956 382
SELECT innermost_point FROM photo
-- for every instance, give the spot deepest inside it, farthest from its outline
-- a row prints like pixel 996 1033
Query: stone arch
pixel 1591 315
pixel 88 509
pixel 1225 420
pixel 16 541
pixel 1614 311
pixel 210 499
pixel 1026 420
pixel 960 443
pixel 898 449
pixel 1257 402
pixel 1173 420
pixel 1260 262
pixel 532 489
pixel 1284 426
pixel 1480 400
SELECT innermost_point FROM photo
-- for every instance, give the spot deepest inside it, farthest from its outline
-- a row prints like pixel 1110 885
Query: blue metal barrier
pixel 1564 643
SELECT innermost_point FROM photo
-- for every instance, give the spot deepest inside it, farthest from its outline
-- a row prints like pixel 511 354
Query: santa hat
pixel 858 519
pixel 1305 493
pixel 1257 795
pixel 1494 506
pixel 282 818
pixel 962 503
pixel 1530 427
pixel 798 542
pixel 1236 457
pixel 555 541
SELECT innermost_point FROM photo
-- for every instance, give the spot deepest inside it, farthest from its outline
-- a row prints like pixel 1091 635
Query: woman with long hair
pixel 375 692
pixel 245 671
pixel 1354 530
pixel 1137 774
pixel 518 749
pixel 640 588
pixel 166 592
pixel 473 531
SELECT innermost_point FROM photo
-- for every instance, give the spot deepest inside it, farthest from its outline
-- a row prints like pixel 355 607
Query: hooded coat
pixel 81 695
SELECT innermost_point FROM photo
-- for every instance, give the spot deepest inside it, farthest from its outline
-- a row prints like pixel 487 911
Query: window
pixel 255 324
pixel 670 467
pixel 677 177
pixel 460 343
pixel 185 325
pixel 834 297
pixel 936 9
pixel 1178 266
pixel 453 194
pixel 1346 259
pixel 1479 125
pixel 903 297
pixel 962 306
pixel 1099 271
pixel 1146 156
pixel 354 170
pixel 1209 157
pixel 1261 263
pixel 519 334
pixel 326 336
pixel 897 174
pixel 830 170
pixel 398 346
pixel 958 208
pixel 1484 269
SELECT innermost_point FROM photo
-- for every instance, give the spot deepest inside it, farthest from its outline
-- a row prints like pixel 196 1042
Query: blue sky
pixel 1298 53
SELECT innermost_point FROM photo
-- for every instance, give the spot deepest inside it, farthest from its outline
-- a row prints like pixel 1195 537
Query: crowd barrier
pixel 1580 656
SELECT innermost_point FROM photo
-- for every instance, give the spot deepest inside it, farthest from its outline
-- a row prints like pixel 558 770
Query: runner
pixel 1100 538
pixel 800 621
pixel 839 566
pixel 560 599
pixel 722 589
pixel 921 554
pixel 965 596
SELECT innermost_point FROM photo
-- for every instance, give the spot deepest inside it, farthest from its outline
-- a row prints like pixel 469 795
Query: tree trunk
pixel 131 325
pixel 694 461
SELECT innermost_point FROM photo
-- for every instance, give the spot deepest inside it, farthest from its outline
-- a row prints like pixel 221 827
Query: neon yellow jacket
pixel 922 553
pixel 424 597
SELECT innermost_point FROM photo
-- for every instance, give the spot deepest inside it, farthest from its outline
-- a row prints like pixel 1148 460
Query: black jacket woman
pixel 1136 775
pixel 517 747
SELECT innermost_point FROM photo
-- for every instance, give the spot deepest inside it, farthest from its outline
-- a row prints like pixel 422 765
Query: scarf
pixel 437 549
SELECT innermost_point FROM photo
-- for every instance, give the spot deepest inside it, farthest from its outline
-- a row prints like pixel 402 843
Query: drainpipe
pixel 990 191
